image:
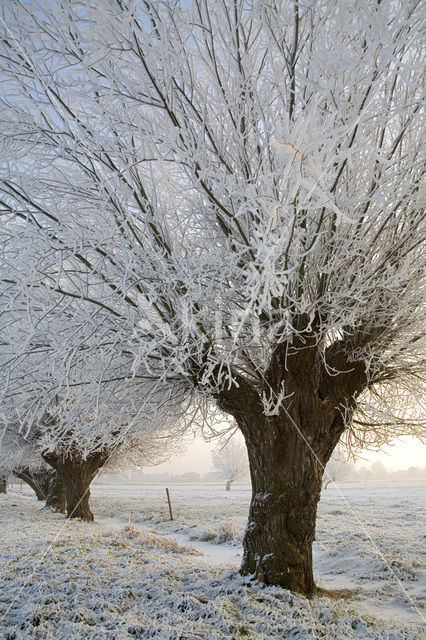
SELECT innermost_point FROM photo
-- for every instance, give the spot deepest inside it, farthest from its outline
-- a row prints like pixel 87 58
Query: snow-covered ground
pixel 135 574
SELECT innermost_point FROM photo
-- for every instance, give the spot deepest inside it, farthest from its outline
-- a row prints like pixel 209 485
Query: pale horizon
pixel 197 458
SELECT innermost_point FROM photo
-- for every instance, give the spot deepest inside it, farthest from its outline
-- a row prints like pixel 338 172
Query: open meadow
pixel 135 574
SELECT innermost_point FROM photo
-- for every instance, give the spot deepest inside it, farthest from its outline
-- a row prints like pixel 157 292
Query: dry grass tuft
pixel 335 594
pixel 132 531
pixel 169 544
pixel 227 533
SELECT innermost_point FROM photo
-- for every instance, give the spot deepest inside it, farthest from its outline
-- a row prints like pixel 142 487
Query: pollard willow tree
pixel 16 454
pixel 236 188
pixel 68 382
pixel 72 415
pixel 338 467
pixel 38 419
pixel 19 458
pixel 232 462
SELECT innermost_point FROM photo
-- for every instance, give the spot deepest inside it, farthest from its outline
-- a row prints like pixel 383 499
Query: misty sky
pixel 408 453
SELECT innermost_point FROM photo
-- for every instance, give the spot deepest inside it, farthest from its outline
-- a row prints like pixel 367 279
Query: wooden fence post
pixel 170 504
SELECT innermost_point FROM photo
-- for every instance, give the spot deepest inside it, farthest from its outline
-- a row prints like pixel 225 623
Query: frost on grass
pixel 216 517
pixel 68 580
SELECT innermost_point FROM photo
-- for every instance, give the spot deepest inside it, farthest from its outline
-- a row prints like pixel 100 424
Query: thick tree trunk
pixel 76 474
pixel 289 449
pixel 3 484
pixel 56 499
pixel 43 476
pixel 77 479
pixel 287 455
pixel 28 477
pixel 286 486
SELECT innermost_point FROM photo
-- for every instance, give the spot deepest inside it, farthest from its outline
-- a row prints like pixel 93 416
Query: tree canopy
pixel 223 199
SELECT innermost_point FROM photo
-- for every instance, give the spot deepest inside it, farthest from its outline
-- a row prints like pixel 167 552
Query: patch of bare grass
pixel 336 594
pixel 169 544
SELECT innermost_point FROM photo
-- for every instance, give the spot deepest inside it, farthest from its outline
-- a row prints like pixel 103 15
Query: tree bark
pixel 76 474
pixel 3 484
pixel 56 499
pixel 288 452
pixel 286 487
pixel 43 477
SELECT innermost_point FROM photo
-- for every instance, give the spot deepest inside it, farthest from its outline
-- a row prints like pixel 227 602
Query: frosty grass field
pixel 134 574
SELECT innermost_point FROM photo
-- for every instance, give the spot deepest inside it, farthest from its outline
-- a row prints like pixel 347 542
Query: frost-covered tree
pixel 16 455
pixel 77 470
pixel 71 390
pixel 337 467
pixel 84 428
pixel 232 461
pixel 19 457
pixel 229 195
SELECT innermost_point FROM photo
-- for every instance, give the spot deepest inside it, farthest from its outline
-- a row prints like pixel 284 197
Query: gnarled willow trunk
pixel 288 452
pixel 37 479
pixel 286 486
pixel 56 498
pixel 3 484
pixel 76 474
